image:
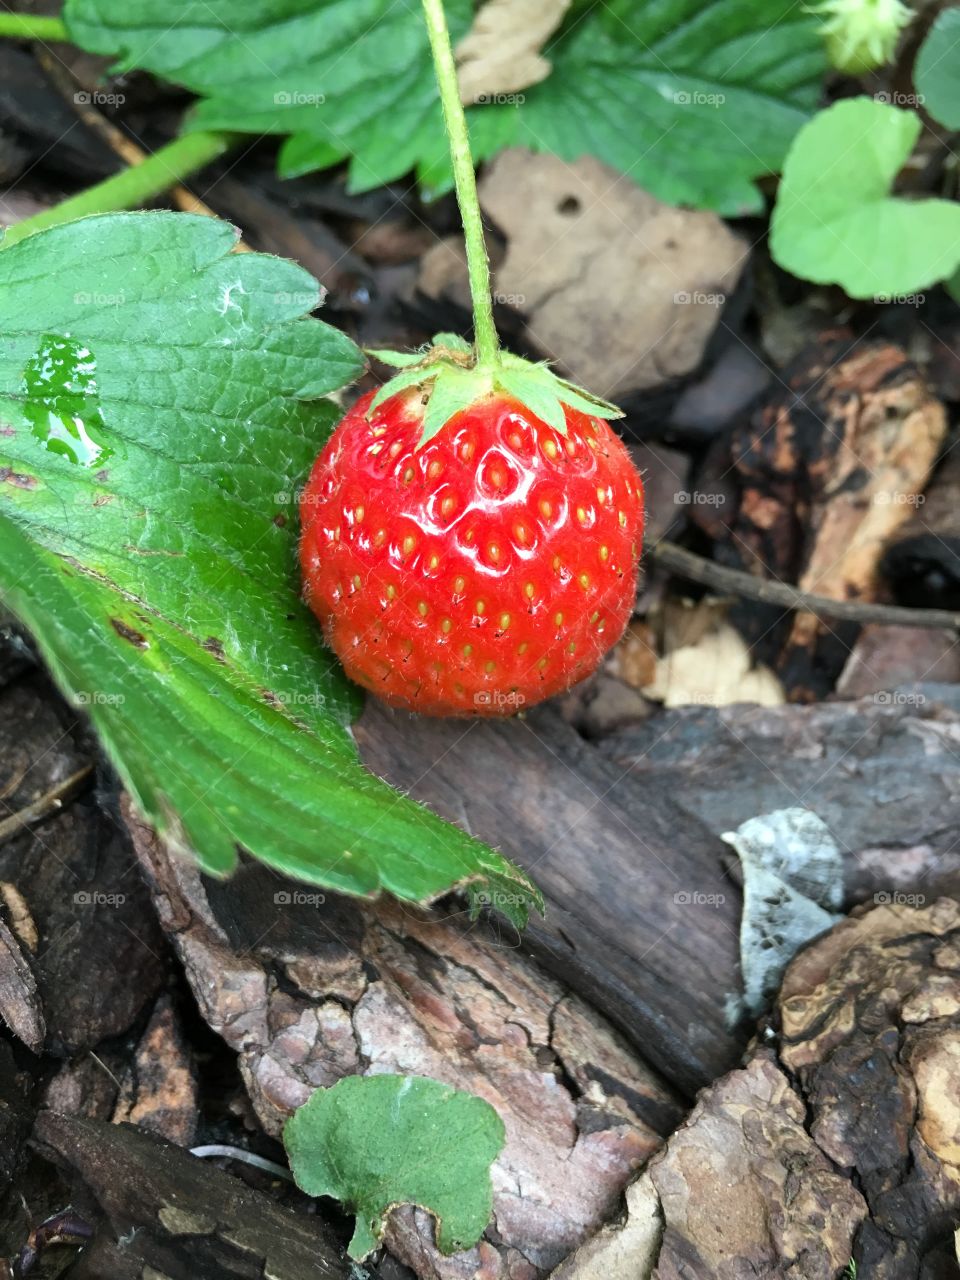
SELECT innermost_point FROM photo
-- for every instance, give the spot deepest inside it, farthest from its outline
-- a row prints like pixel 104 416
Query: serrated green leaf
pixel 374 1142
pixel 936 72
pixel 398 359
pixel 154 555
pixel 694 99
pixel 453 390
pixel 835 221
pixel 540 395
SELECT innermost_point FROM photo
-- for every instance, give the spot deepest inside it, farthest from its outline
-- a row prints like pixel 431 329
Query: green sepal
pixel 399 359
pixel 537 394
pixel 457 384
pixel 453 390
pixel 452 341
pixel 407 378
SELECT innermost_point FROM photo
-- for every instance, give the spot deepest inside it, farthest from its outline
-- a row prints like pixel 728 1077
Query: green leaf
pixel 158 411
pixel 936 72
pixel 376 1142
pixel 835 221
pixel 452 341
pixel 694 99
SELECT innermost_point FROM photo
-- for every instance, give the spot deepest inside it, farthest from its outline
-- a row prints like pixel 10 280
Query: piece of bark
pixel 890 657
pixel 161 1212
pixel 617 861
pixel 624 291
pixel 20 1004
pixel 882 773
pixel 160 1092
pixel 389 988
pixel 870 1021
pixel 97 959
pixel 16 1114
pixel 922 559
pixel 829 468
pixel 741 1189
pixel 840 1139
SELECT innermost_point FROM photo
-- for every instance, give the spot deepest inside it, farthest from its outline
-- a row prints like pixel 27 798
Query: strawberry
pixel 481 561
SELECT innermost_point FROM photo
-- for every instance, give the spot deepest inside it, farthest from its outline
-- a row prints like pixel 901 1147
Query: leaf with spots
pixel 160 403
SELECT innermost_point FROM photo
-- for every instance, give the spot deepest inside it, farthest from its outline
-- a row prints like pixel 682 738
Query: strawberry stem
pixel 130 187
pixel 478 265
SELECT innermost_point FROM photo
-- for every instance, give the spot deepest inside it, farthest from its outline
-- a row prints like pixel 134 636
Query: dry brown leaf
pixel 500 54
pixel 622 290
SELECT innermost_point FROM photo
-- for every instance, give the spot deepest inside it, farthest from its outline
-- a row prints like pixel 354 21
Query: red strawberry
pixel 488 568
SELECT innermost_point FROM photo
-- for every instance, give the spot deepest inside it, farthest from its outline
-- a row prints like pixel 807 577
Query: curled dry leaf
pixel 500 54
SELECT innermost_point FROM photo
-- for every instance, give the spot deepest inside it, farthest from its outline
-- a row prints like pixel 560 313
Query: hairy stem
pixel 131 187
pixel 478 265
pixel 27 26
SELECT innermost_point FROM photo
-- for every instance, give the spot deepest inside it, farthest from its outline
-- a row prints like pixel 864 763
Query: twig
pixel 51 802
pixel 689 565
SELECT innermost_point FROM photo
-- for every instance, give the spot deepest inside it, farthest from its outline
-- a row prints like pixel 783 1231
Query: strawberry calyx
pixel 450 377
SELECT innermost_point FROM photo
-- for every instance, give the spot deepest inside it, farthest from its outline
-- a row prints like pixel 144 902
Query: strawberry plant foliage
pixel 159 406
pixel 694 99
pixel 374 1142
pixel 836 220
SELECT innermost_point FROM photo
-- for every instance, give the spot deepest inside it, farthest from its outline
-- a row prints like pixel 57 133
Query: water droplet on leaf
pixel 62 401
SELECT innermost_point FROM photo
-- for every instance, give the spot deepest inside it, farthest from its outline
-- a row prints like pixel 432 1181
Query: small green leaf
pixel 453 390
pixel 936 72
pixel 158 415
pixel 540 395
pixel 376 1142
pixel 836 222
